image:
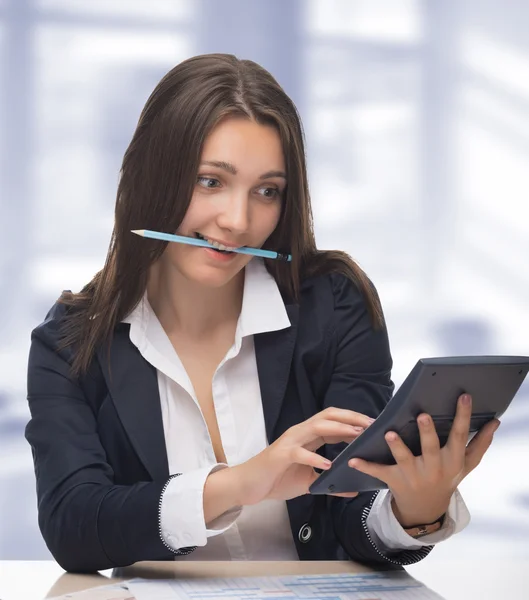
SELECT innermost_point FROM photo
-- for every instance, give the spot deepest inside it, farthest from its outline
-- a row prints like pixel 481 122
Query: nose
pixel 234 214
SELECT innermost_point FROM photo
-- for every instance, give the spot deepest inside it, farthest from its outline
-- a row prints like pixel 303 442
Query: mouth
pixel 220 248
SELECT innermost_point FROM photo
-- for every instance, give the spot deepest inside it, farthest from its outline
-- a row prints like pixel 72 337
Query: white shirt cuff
pixel 182 511
pixel 387 532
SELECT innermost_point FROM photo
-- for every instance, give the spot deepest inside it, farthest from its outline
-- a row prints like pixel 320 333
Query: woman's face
pixel 236 201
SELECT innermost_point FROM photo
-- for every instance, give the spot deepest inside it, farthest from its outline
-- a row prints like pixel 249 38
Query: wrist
pixel 221 493
pixel 246 487
pixel 235 480
pixel 415 519
pixel 420 530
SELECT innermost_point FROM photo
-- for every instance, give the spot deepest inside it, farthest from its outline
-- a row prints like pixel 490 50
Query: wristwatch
pixel 418 531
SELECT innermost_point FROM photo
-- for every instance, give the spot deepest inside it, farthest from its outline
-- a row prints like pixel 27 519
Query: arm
pixel 361 381
pixel 88 522
pixel 221 494
pixel 386 530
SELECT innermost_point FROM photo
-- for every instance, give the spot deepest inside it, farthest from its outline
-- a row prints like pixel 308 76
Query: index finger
pixel 343 415
pixel 458 438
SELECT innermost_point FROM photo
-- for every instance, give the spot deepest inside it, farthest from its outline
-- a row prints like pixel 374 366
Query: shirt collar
pixel 262 309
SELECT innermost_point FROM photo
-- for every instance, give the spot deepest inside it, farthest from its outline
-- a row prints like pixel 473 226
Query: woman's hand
pixel 285 469
pixel 422 486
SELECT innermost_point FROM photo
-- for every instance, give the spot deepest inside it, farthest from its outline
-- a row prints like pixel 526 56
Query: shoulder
pixel 49 356
pixel 336 331
pixel 49 330
pixel 332 296
pixel 48 336
pixel 332 312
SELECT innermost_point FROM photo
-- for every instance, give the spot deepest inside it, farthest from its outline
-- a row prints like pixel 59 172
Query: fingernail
pixel 326 463
pixel 359 429
pixel 391 436
pixel 371 420
pixel 465 399
pixel 352 463
pixel 495 426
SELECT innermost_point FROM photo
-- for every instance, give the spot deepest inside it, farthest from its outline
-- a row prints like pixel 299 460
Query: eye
pixel 270 192
pixel 208 182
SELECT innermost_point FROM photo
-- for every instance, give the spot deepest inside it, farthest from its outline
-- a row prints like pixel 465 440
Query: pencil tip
pixel 138 231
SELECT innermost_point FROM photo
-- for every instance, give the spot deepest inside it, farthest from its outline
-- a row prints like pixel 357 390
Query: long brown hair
pixel 157 179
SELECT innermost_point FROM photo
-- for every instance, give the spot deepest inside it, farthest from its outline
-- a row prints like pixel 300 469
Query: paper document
pixel 115 591
pixel 344 586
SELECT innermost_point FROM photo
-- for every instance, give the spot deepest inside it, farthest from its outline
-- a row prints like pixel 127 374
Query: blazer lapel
pixel 133 386
pixel 273 353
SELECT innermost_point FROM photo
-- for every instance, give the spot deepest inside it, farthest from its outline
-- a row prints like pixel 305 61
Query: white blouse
pixel 261 531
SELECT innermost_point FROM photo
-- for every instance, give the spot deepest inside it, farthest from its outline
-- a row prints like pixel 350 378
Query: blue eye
pixel 205 182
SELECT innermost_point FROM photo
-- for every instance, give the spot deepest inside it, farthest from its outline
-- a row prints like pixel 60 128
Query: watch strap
pixel 418 531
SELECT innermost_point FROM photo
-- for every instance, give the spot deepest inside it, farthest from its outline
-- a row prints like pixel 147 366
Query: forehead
pixel 246 144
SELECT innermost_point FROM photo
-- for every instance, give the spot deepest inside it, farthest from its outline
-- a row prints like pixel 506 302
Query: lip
pixel 223 242
pixel 220 257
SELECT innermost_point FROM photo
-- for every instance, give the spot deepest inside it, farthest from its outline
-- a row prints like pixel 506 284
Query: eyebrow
pixel 226 166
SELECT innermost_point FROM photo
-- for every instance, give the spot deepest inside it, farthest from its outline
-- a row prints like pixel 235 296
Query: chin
pixel 209 276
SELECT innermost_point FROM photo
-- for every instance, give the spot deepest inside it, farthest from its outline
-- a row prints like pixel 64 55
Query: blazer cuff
pixel 387 532
pixel 182 523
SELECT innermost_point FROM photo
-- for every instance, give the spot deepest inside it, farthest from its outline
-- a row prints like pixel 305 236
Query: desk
pixel 492 579
pixel 34 580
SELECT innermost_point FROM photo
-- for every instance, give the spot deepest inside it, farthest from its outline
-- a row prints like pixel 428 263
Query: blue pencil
pixel 171 237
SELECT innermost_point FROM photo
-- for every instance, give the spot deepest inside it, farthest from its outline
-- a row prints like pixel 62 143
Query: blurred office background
pixel 417 123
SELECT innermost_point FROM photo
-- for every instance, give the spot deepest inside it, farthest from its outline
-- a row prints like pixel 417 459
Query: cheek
pixel 195 213
pixel 176 254
pixel 186 225
pixel 269 220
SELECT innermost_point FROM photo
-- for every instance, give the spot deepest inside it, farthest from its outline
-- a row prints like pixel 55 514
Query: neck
pixel 190 309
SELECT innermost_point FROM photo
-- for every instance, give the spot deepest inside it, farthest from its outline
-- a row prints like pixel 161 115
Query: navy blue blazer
pixel 98 442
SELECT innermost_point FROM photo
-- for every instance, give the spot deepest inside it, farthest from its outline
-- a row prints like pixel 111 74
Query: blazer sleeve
pixel 87 522
pixel 361 381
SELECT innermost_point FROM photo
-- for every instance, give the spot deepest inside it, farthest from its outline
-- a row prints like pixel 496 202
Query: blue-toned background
pixel 417 123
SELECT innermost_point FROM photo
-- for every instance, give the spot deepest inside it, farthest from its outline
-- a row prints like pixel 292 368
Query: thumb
pixel 311 479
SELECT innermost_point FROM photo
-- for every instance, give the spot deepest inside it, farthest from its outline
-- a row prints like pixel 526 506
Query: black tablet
pixel 433 386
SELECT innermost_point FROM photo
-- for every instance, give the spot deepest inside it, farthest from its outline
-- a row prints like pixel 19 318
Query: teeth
pixel 216 244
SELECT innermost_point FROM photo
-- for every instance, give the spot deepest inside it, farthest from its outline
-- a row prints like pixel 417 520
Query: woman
pixel 181 401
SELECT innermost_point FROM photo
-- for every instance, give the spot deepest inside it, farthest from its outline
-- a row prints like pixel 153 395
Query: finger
pixel 319 442
pixel 401 453
pixel 335 440
pixel 321 430
pixel 350 417
pixel 430 445
pixel 458 438
pixel 302 456
pixel 382 472
pixel 479 445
